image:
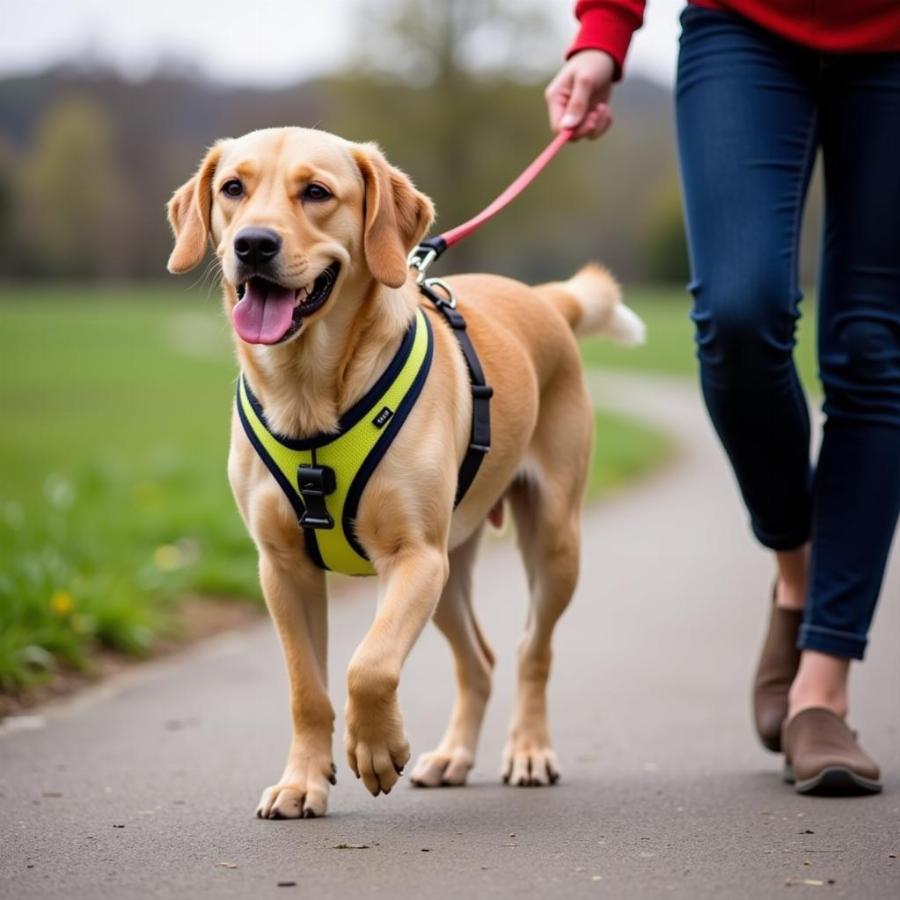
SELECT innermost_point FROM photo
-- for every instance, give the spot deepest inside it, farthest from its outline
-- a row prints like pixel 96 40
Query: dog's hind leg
pixel 550 551
pixel 546 506
pixel 450 762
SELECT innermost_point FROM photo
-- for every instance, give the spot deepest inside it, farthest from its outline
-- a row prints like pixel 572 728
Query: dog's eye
pixel 316 193
pixel 232 188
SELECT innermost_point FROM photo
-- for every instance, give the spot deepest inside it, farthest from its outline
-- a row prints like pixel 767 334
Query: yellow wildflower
pixel 61 603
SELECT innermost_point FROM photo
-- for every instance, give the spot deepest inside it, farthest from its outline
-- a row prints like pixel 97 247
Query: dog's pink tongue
pixel 264 314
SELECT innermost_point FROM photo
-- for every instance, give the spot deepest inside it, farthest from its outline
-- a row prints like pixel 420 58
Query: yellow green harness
pixel 323 477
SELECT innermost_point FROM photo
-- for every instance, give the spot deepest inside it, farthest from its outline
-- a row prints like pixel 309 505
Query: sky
pixel 260 42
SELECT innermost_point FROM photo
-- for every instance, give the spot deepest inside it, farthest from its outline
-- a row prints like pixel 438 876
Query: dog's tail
pixel 591 302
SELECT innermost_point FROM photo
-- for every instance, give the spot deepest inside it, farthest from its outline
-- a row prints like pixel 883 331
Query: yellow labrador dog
pixel 312 233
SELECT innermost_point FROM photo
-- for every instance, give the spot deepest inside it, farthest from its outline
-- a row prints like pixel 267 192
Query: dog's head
pixel 295 215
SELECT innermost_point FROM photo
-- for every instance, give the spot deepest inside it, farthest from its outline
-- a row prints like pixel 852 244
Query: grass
pixel 624 449
pixel 113 496
pixel 113 499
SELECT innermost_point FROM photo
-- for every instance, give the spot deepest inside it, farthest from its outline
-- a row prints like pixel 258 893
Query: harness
pixel 324 476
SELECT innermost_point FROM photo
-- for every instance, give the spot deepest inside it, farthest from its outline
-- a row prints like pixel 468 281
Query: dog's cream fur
pixel 421 548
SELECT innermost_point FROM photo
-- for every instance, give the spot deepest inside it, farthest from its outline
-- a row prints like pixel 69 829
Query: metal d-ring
pixel 433 283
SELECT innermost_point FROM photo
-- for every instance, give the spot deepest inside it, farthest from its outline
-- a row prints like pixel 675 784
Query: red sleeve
pixel 607 25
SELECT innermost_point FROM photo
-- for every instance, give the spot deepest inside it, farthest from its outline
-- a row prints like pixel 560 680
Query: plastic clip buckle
pixel 315 483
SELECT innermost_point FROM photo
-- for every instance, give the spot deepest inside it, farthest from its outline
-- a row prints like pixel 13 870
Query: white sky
pixel 262 42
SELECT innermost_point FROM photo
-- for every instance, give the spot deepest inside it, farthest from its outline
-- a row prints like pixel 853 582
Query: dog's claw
pixel 531 767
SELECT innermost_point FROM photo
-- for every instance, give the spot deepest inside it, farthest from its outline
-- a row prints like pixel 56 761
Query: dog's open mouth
pixel 268 313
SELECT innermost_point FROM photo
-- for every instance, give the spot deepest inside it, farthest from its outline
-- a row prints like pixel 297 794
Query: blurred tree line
pixel 88 158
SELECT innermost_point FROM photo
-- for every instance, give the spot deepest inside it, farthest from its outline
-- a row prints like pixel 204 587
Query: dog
pixel 312 233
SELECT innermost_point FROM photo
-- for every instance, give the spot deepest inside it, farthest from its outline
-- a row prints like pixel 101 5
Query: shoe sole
pixel 833 781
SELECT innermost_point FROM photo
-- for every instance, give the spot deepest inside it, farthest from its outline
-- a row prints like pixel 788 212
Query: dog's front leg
pixel 411 583
pixel 296 599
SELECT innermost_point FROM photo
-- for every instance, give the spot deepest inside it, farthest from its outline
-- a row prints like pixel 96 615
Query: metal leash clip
pixel 420 259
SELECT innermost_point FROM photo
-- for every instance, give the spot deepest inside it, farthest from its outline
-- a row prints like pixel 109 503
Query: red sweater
pixel 848 26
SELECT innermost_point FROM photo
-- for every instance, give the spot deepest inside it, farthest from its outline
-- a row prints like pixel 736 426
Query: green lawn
pixel 113 497
pixel 113 500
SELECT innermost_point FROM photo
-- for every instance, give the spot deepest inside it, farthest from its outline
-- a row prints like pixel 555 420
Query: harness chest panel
pixel 324 477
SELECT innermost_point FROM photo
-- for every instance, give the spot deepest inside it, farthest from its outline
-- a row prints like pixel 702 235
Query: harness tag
pixel 384 416
pixel 314 484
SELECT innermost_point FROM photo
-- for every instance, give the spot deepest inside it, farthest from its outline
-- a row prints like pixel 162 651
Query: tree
pixel 665 251
pixel 75 198
pixel 441 89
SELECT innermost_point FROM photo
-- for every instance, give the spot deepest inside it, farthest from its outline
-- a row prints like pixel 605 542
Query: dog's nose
pixel 256 246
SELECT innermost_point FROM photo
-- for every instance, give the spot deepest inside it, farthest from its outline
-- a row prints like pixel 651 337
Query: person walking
pixel 761 88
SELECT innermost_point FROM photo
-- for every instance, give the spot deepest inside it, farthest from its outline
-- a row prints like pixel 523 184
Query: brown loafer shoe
pixel 778 664
pixel 823 757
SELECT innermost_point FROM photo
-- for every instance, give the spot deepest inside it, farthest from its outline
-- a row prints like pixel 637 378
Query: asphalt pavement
pixel 146 786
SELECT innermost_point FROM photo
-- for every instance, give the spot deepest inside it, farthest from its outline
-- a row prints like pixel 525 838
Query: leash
pixel 432 248
pixel 442 298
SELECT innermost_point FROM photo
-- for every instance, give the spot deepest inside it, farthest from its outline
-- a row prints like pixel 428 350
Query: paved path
pixel 147 787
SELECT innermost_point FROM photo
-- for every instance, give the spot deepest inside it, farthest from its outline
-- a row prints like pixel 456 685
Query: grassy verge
pixel 113 500
pixel 624 449
pixel 113 497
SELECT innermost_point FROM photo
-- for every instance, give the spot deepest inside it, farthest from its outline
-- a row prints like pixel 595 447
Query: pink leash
pixel 429 250
pixel 441 295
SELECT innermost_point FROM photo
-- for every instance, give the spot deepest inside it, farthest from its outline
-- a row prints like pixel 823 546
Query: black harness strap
pixel 480 436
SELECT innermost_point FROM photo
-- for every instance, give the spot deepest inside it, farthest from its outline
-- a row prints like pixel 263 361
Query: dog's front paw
pixel 529 763
pixel 376 745
pixel 302 793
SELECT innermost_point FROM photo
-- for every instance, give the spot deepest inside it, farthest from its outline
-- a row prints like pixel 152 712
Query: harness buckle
pixel 315 483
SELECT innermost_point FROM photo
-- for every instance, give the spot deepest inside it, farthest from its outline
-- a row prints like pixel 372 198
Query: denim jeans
pixel 753 110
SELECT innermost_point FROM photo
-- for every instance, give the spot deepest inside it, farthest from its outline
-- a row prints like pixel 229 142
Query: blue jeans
pixel 753 110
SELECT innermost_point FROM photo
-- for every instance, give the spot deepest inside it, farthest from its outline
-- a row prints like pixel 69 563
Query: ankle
pixel 793 569
pixel 790 595
pixel 812 699
pixel 821 681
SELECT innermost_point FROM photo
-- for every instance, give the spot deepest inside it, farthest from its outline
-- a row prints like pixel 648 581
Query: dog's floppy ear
pixel 189 212
pixel 397 216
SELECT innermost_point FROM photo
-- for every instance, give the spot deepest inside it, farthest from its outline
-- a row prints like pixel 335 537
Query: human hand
pixel 578 97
